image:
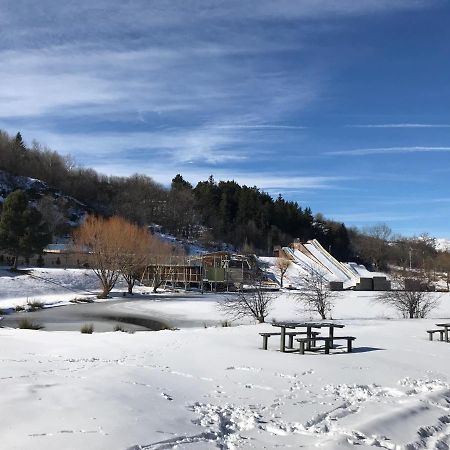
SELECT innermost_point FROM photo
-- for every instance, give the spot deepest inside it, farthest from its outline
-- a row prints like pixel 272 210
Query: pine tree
pixel 22 231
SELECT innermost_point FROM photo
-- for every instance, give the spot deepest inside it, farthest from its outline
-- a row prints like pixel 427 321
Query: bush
pixel 226 324
pixel 87 328
pixel 81 300
pixel 27 324
pixel 119 327
pixel 19 308
pixel 34 305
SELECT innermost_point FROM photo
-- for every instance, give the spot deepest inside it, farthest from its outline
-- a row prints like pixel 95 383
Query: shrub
pixel 119 327
pixel 34 305
pixel 27 324
pixel 226 324
pixel 87 328
pixel 19 308
pixel 81 300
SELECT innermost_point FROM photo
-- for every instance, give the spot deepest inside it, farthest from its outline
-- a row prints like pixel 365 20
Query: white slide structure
pixel 331 263
pixel 312 257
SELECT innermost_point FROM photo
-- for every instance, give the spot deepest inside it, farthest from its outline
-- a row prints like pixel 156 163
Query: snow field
pixel 215 388
pixel 205 388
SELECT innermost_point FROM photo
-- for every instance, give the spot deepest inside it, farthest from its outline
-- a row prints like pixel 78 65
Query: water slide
pixel 309 264
pixel 331 263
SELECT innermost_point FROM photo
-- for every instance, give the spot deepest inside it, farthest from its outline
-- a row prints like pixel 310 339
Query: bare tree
pixel 315 294
pixel 254 302
pixel 283 265
pixel 373 244
pixel 104 239
pixel 411 299
pixel 443 265
pixel 136 249
pixel 162 261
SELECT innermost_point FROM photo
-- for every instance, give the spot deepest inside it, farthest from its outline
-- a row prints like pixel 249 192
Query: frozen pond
pixel 104 316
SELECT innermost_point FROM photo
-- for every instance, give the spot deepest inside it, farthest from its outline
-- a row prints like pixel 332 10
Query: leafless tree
pixel 254 302
pixel 411 299
pixel 373 244
pixel 162 261
pixel 315 294
pixel 104 239
pixel 283 265
pixel 443 266
pixel 136 250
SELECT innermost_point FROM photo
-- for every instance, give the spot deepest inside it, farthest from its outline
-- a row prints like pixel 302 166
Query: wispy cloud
pixel 402 125
pixel 373 217
pixel 272 182
pixel 258 127
pixel 388 150
pixel 172 145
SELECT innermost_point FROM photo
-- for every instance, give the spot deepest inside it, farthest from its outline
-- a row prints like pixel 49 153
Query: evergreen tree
pixel 22 231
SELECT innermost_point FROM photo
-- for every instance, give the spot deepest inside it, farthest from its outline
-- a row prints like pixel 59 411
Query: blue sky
pixel 342 105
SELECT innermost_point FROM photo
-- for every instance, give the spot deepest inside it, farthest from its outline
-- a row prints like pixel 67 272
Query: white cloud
pixel 401 125
pixel 372 217
pixel 389 150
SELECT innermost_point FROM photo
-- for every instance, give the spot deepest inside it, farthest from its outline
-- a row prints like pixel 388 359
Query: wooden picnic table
pixel 446 327
pixel 309 326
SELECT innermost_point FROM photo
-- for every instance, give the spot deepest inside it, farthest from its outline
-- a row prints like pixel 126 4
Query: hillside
pixel 59 210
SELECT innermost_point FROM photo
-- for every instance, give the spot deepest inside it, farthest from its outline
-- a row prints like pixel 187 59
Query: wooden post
pixel 327 346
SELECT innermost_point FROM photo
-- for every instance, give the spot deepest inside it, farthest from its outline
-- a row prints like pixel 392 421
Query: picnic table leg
pixel 446 334
pixel 283 339
pixel 349 345
pixel 308 335
pixel 302 348
pixel 265 339
pixel 327 347
pixel 331 335
pixel 291 341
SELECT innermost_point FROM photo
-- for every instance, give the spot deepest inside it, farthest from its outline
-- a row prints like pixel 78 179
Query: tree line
pixel 214 212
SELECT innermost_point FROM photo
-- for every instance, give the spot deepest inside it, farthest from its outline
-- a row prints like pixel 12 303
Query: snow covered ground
pixel 206 388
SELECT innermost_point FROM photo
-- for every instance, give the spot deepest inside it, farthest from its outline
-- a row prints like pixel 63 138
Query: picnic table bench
pixel 309 333
pixel 440 331
pixel 290 334
pixel 443 331
pixel 328 341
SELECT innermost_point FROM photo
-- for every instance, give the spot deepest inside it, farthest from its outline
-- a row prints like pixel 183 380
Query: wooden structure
pixel 211 271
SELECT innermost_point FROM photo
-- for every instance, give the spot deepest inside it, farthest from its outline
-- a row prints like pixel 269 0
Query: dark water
pixel 73 317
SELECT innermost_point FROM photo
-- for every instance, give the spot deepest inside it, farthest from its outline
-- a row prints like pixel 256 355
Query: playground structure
pixel 217 271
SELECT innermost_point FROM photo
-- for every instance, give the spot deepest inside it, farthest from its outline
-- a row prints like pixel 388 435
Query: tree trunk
pixel 15 262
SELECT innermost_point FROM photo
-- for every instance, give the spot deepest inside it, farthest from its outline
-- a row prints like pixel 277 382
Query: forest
pixel 214 213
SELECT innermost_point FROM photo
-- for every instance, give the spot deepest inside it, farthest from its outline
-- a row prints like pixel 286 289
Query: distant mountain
pixel 443 244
